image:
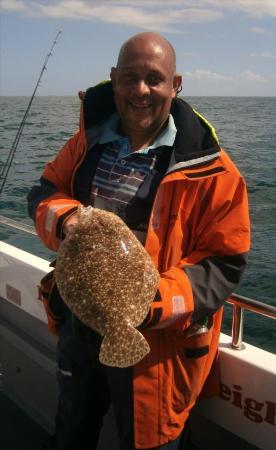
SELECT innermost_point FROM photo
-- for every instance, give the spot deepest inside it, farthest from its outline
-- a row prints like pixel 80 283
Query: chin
pixel 142 124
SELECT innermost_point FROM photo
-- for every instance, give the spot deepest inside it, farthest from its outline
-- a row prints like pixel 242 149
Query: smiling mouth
pixel 140 106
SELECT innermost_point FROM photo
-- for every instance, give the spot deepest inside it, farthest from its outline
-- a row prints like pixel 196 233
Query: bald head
pixel 144 84
pixel 150 40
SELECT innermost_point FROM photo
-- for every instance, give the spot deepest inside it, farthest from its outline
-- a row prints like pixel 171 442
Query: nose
pixel 142 88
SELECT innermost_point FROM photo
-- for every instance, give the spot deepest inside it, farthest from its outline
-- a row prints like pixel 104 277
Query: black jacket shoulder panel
pixel 98 104
pixel 194 138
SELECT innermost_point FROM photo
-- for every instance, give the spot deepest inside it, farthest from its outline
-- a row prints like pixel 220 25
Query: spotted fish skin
pixel 131 346
pixel 108 280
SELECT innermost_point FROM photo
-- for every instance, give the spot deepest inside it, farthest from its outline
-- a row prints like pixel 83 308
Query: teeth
pixel 140 105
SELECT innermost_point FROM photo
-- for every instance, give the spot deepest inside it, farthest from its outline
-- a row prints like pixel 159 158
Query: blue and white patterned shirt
pixel 124 180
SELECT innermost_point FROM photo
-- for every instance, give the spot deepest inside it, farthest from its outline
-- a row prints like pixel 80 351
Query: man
pixel 147 156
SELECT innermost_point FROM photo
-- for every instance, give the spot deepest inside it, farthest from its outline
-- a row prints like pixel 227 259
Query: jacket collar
pixel 195 143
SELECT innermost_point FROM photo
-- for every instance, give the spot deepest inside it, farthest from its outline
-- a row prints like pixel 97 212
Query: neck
pixel 143 138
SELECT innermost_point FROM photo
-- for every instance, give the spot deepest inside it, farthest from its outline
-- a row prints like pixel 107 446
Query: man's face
pixel 144 85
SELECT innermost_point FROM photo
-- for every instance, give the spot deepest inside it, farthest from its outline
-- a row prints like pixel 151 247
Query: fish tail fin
pixel 123 347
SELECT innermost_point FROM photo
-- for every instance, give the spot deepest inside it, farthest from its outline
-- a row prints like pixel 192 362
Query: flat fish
pixel 108 280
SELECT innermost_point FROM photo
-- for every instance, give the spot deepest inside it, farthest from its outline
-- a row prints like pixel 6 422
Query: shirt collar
pixel 109 133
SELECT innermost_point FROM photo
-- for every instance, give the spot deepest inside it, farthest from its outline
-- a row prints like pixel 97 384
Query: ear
pixel 113 76
pixel 177 84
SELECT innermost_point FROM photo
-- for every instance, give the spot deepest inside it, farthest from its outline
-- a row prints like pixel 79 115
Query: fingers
pixel 70 223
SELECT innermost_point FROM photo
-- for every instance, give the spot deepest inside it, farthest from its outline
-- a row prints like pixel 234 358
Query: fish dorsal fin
pixel 123 346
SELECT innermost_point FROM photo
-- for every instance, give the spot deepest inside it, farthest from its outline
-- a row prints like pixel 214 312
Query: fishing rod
pixel 7 165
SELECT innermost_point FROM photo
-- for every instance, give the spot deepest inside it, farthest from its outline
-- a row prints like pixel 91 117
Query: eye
pixel 153 80
pixel 130 77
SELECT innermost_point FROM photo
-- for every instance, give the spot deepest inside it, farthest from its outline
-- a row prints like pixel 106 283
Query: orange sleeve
pixel 219 240
pixel 52 201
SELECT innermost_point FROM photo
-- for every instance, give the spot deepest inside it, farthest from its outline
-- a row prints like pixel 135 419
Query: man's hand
pixel 70 223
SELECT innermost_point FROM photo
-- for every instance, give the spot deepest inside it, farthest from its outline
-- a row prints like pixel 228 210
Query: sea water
pixel 246 127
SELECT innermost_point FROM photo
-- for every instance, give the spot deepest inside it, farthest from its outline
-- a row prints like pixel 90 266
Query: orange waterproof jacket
pixel 198 238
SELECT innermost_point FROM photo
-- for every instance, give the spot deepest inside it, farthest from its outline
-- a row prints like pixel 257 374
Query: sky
pixel 223 47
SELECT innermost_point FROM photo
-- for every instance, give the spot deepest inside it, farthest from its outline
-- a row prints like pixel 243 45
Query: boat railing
pixel 239 302
pixel 18 225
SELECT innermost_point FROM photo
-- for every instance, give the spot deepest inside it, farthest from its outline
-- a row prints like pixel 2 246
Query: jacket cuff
pixel 173 304
pixel 62 220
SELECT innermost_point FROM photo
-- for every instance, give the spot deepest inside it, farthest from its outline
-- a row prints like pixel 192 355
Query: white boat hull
pixel 243 415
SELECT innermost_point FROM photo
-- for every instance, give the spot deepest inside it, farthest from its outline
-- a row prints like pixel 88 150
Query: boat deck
pixel 18 430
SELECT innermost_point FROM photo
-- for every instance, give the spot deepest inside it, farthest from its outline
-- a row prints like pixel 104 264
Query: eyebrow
pixel 132 69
